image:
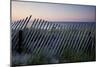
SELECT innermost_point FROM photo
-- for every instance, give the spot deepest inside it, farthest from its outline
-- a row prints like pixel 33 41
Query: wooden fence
pixel 51 39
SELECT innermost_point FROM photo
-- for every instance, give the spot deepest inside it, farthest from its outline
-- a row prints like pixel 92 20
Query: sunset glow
pixel 53 12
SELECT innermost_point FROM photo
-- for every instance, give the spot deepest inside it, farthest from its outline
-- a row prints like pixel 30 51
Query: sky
pixel 53 12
